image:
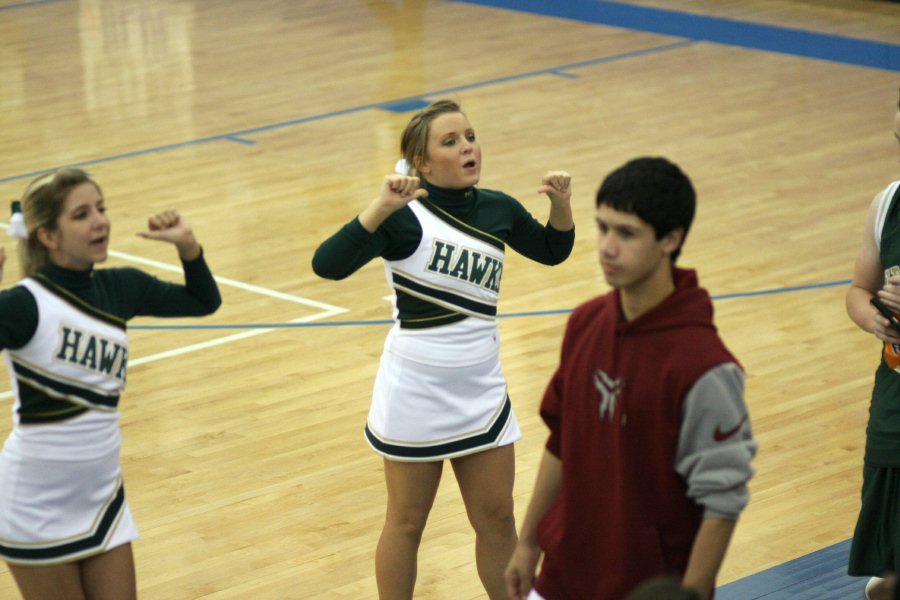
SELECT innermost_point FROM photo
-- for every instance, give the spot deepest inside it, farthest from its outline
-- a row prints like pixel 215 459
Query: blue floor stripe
pixel 405 105
pixel 770 38
pixel 821 575
pixel 31 4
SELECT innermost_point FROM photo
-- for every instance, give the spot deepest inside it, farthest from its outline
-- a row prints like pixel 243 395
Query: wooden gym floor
pixel 270 123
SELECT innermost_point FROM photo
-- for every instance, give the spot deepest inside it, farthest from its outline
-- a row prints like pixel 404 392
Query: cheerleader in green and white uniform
pixel 65 526
pixel 440 392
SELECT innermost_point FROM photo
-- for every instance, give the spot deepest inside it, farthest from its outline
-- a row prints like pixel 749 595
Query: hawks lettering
pixel 92 352
pixel 466 264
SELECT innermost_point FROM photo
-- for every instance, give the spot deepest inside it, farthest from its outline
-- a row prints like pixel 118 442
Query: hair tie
pixel 17 228
pixel 402 167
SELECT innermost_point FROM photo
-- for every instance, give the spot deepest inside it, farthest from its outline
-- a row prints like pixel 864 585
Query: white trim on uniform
pixel 884 203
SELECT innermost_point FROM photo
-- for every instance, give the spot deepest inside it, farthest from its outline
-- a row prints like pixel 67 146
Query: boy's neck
pixel 647 294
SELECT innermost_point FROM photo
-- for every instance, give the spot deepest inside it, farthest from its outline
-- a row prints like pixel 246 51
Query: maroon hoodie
pixel 615 413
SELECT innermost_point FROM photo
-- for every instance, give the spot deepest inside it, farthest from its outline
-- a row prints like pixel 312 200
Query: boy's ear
pixel 672 240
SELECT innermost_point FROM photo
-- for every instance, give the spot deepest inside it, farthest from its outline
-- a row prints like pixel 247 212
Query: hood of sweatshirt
pixel 687 305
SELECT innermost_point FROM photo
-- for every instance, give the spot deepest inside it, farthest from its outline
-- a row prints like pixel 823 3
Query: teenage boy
pixel 646 467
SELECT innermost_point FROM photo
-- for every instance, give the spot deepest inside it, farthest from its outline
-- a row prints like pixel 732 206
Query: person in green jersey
pixel 440 393
pixel 875 549
pixel 65 526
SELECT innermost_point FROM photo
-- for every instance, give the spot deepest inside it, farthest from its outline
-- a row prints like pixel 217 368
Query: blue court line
pixel 564 74
pixel 769 38
pixel 230 137
pixel 240 140
pixel 820 575
pixel 405 105
pixel 784 290
pixel 392 105
pixel 535 313
pixel 31 4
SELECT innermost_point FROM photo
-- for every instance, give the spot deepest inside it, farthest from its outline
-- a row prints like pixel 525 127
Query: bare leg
pixel 107 576
pixel 51 582
pixel 110 576
pixel 411 488
pixel 486 482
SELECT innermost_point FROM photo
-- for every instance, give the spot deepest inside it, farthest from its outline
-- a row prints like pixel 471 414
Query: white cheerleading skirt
pixel 58 511
pixel 425 412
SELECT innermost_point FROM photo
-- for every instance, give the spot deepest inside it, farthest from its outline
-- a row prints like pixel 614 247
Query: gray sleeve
pixel 716 444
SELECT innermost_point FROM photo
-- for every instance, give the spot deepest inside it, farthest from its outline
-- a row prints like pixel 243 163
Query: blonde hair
pixel 414 141
pixel 42 205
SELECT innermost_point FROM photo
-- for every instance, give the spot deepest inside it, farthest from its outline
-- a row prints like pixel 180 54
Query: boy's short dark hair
pixel 654 189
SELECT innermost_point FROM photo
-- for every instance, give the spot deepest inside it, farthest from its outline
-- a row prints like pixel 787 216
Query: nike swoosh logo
pixel 721 436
